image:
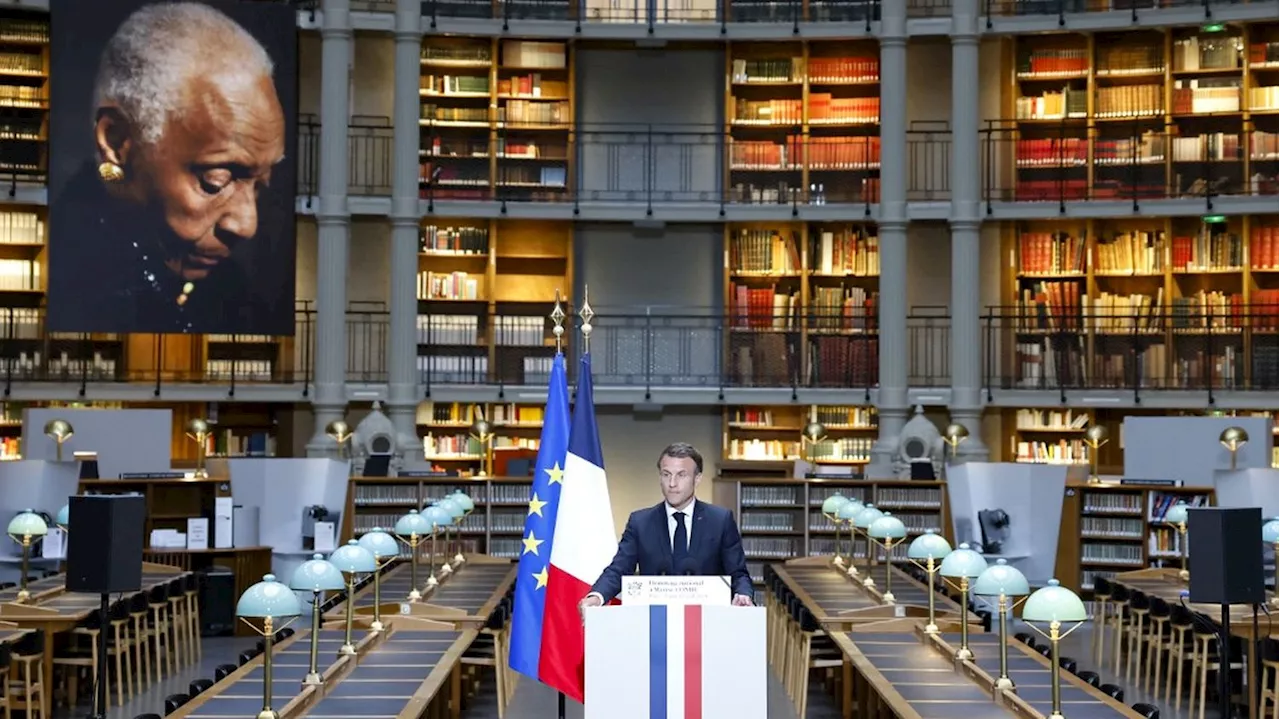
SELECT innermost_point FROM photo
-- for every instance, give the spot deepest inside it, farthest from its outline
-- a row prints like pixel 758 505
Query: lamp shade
pixel 1271 531
pixel 351 558
pixel 963 562
pixel 437 517
pixel 849 510
pixel 451 507
pixel 868 515
pixel 382 545
pixel 886 526
pixel 28 524
pixel 412 524
pixel 929 545
pixel 317 575
pixel 1177 514
pixel 1054 603
pixel 268 598
pixel 831 505
pixel 466 502
pixel 1001 579
pixel 64 516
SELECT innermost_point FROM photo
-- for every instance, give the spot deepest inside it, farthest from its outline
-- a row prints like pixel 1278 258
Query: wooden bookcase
pixel 494 528
pixel 1108 529
pixel 497 119
pixel 803 303
pixel 485 293
pixel 448 443
pixel 782 519
pixel 803 122
pixel 1145 112
pixel 771 434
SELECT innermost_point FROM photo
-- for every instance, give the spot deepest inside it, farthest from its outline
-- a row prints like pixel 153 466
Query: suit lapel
pixel 699 528
pixel 663 535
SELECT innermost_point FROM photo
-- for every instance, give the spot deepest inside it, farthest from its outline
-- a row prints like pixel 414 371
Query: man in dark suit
pixel 679 536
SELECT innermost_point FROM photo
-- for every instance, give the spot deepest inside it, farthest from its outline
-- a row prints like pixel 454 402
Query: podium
pixel 691 657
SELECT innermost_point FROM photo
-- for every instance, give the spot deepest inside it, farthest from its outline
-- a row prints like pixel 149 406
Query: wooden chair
pixel 180 623
pixel 1136 635
pixel 1101 602
pixel 1117 623
pixel 1269 679
pixel 1157 643
pixel 1180 625
pixel 82 655
pixel 1204 662
pixel 489 650
pixel 6 657
pixel 139 633
pixel 161 630
pixel 191 596
pixel 26 685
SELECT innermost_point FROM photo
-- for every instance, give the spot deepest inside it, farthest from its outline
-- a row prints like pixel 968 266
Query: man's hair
pixel 682 450
pixel 157 49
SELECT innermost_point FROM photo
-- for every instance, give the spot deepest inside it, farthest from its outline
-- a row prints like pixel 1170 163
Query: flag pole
pixel 586 314
pixel 560 708
pixel 557 317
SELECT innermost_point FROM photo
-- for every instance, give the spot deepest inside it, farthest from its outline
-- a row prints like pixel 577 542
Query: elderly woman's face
pixel 204 174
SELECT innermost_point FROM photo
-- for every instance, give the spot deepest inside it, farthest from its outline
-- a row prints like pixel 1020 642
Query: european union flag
pixel 539 527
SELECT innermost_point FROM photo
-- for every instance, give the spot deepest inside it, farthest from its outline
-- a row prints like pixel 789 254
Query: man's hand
pixel 591 600
pixel 742 600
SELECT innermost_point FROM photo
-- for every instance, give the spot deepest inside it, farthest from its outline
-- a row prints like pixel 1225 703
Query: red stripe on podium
pixel 693 662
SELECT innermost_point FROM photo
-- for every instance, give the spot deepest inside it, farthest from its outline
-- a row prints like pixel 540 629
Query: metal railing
pixel 652 12
pixel 1131 160
pixel 929 162
pixel 1164 348
pixel 998 8
pixel 669 347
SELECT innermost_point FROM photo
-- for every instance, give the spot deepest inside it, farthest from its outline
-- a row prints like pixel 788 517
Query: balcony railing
pixel 928 162
pixel 1128 160
pixel 1164 348
pixel 994 8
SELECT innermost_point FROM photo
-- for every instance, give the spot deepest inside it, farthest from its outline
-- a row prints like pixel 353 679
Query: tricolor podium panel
pixel 676 662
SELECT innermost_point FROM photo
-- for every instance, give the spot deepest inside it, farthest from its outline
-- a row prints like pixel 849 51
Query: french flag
pixel 583 544
pixel 700 662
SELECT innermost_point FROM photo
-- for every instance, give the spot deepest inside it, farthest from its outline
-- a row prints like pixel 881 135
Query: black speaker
pixel 217 602
pixel 104 543
pixel 1225 555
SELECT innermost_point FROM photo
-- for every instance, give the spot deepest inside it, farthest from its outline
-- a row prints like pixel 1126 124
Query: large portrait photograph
pixel 172 173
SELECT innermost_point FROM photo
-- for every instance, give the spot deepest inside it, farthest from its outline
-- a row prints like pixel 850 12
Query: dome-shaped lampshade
pixel 352 558
pixel 437 517
pixel 963 562
pixel 451 507
pixel 382 545
pixel 466 502
pixel 64 516
pixel 831 505
pixel 1000 578
pixel 868 515
pixel 317 575
pixel 28 524
pixel 886 526
pixel 1271 531
pixel 929 545
pixel 412 524
pixel 1054 603
pixel 1177 514
pixel 268 598
pixel 850 510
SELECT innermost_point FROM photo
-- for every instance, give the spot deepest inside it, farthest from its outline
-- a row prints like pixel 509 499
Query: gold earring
pixel 110 172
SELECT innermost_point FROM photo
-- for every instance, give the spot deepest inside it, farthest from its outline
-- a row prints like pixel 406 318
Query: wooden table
pixel 55 610
pixel 464 595
pixel 1167 585
pixel 839 602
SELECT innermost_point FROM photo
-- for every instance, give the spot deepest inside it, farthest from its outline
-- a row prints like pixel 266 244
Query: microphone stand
pixel 100 681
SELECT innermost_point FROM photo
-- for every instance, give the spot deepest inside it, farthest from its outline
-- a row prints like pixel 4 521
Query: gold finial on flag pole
pixel 586 314
pixel 557 316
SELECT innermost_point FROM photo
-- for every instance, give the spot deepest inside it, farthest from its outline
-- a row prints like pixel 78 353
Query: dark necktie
pixel 680 545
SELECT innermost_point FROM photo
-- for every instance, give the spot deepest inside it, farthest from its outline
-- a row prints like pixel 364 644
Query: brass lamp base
pixel 268 714
pixel 347 650
pixel 414 595
pixel 432 581
pixel 887 597
pixel 964 655
pixel 931 629
pixel 459 559
pixel 446 568
pixel 1184 575
pixel 376 626
pixel 868 582
pixel 1004 683
pixel 23 596
pixel 313 680
pixel 853 571
pixel 838 560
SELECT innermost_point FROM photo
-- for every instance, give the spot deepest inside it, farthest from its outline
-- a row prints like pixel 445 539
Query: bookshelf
pixel 782 519
pixel 803 122
pixel 1110 529
pixel 486 289
pixel 1172 303
pixel 24 94
pixel 803 303
pixel 494 528
pixel 497 118
pixel 771 434
pixel 1172 112
pixel 448 443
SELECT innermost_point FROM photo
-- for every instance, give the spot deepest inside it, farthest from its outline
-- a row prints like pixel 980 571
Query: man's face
pixel 679 477
pixel 204 174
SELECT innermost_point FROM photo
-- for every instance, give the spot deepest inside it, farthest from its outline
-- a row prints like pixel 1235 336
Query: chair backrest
pixel 1090 678
pixel 1150 711
pixel 174 702
pixel 1112 691
pixel 246 657
pixel 1102 587
pixel 198 686
pixel 151 715
pixel 223 671
pixel 1068 664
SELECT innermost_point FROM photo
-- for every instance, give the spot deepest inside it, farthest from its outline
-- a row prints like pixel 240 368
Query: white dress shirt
pixel 688 522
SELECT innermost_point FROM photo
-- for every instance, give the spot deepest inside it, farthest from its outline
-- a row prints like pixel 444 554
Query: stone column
pixel 402 351
pixel 333 220
pixel 893 234
pixel 966 226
